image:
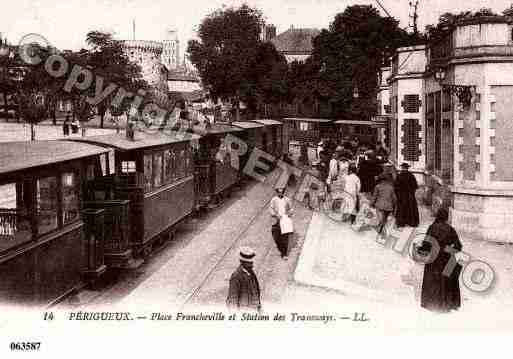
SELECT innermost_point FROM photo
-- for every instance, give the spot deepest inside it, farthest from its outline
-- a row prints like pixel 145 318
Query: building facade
pixel 147 54
pixel 171 50
pixel 451 120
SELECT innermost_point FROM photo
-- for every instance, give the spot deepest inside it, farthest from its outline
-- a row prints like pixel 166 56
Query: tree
pixel 349 55
pixel 31 83
pixel 233 62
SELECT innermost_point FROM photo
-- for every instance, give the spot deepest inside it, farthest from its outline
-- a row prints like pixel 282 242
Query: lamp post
pixel 463 92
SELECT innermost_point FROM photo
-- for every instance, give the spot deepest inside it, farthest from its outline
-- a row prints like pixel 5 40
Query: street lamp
pixel 463 92
pixel 440 74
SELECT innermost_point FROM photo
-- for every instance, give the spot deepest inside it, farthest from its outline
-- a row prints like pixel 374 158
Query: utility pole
pixel 414 6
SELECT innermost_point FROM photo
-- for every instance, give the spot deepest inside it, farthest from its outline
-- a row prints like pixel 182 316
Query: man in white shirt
pixel 281 210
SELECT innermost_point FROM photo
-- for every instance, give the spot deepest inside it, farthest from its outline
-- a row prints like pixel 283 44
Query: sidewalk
pixel 360 270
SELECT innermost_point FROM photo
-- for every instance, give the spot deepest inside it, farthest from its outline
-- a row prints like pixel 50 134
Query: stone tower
pixel 171 50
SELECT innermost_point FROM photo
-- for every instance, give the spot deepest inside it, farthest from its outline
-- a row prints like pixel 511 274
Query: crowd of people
pixel 353 171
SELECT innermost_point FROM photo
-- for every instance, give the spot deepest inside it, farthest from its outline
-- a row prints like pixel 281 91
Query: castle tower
pixel 171 50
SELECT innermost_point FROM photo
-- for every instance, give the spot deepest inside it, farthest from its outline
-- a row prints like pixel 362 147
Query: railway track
pixel 196 291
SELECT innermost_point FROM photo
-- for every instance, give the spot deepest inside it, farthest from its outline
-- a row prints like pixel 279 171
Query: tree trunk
pixel 32 132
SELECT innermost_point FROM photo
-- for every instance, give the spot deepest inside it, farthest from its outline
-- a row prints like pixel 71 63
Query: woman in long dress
pixel 407 209
pixel 440 286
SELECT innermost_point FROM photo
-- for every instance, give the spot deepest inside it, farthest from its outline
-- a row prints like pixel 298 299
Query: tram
pixel 44 247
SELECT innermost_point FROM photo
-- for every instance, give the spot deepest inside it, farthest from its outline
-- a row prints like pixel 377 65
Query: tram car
pixel 272 139
pixel 255 136
pixel 155 173
pixel 214 169
pixel 45 246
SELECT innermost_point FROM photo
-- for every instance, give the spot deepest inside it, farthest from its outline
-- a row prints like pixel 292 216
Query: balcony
pixel 473 40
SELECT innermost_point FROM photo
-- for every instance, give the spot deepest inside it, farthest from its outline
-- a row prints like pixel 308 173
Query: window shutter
pixel 411 103
pixel 411 140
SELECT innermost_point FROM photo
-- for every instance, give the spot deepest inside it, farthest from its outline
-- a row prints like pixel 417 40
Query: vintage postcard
pixel 208 174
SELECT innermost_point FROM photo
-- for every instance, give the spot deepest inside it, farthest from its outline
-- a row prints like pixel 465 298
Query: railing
pixel 305 136
pixel 8 223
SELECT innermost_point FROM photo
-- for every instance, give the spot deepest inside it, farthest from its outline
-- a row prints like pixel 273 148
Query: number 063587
pixel 25 346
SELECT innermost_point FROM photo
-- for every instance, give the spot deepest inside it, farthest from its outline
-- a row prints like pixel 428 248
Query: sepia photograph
pixel 216 173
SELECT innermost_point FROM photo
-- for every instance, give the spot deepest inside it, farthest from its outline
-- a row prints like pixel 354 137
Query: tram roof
pixel 269 122
pixel 353 122
pixel 215 128
pixel 247 124
pixel 141 139
pixel 317 120
pixel 16 156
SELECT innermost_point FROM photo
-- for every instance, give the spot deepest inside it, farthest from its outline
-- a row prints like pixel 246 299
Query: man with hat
pixel 244 290
pixel 405 187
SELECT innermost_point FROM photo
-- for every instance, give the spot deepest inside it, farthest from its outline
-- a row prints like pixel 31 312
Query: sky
pixel 64 23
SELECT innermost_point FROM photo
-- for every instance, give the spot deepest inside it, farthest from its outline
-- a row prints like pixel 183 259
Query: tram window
pixel 70 202
pixel 148 169
pixel 47 204
pixel 172 168
pixel 167 166
pixel 128 166
pixel 157 170
pixel 180 164
pixel 90 172
pixel 14 223
pixel 303 126
pixel 188 163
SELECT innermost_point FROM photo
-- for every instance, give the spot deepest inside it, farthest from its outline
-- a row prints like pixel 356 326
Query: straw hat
pixel 247 254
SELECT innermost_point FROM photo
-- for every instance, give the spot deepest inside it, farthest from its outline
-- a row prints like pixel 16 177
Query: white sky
pixel 65 22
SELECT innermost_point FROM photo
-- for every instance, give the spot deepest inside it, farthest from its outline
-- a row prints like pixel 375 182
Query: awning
pixel 381 118
pixel 316 120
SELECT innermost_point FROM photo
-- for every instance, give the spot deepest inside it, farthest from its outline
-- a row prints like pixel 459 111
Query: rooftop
pixel 215 128
pixel 247 124
pixel 15 156
pixel 297 41
pixel 141 139
pixel 268 122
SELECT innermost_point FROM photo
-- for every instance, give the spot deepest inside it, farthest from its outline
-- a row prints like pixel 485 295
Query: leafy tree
pixel 349 55
pixel 233 62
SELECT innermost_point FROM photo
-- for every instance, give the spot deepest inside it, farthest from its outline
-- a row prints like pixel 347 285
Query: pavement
pixel 351 267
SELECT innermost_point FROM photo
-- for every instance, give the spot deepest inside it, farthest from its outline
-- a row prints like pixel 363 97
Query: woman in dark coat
pixel 441 291
pixel 368 171
pixel 405 187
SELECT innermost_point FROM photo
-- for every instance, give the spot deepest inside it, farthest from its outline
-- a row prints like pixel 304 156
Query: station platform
pixel 337 257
